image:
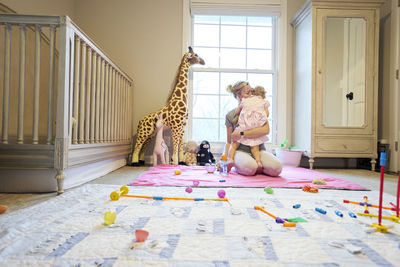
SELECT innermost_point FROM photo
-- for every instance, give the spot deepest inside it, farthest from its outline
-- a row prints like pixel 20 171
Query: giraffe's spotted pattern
pixel 174 114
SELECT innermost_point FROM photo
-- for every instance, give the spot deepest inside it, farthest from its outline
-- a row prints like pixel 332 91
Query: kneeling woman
pixel 243 160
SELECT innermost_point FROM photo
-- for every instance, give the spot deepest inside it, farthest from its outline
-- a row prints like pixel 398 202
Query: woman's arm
pixel 229 130
pixel 251 133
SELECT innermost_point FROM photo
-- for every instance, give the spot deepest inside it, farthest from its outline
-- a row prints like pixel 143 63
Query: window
pixel 234 48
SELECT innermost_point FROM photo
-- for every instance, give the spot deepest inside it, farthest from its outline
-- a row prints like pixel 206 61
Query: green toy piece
pixel 268 190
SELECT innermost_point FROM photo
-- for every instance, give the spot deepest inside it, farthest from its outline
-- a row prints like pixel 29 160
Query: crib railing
pixel 60 92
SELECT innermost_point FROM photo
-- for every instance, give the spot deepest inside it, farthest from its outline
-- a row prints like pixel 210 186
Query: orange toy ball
pixel 177 172
pixel 3 208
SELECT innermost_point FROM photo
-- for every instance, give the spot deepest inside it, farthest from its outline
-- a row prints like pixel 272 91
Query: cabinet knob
pixel 350 96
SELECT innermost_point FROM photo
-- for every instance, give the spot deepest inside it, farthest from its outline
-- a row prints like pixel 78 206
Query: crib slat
pixel 97 125
pixel 101 122
pixel 36 87
pixel 21 90
pixel 88 95
pixel 82 89
pixel 76 90
pixel 106 89
pixel 93 98
pixel 6 83
pixel 50 109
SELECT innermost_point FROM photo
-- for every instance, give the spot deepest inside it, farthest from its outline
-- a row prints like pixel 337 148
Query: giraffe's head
pixel 193 58
pixel 159 122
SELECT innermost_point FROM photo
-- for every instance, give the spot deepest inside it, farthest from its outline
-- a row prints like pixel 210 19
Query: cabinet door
pixel 345 71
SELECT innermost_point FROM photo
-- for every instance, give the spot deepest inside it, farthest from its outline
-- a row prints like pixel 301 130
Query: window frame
pixel 282 105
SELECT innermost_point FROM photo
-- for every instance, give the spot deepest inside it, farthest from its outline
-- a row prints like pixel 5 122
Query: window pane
pixel 230 79
pixel 210 56
pixel 270 109
pixel 233 36
pixel 265 80
pixel 227 104
pixel 206 82
pixel 206 35
pixel 200 131
pixel 205 106
pixel 233 58
pixel 259 21
pixel 206 19
pixel 235 20
pixel 259 59
pixel 259 37
pixel 222 130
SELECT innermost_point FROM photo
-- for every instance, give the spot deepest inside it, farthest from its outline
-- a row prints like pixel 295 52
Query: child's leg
pixel 255 151
pixel 232 151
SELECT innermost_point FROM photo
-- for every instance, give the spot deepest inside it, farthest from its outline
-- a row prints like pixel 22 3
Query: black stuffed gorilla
pixel 204 155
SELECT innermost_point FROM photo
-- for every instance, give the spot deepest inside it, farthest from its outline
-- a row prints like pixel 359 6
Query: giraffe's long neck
pixel 180 91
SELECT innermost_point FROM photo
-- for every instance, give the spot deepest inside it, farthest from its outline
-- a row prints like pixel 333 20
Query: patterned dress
pixel 252 115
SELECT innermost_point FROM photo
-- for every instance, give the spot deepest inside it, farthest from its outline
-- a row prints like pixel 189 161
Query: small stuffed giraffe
pixel 160 148
pixel 174 115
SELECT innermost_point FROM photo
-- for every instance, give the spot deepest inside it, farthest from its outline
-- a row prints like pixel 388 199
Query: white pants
pixel 245 164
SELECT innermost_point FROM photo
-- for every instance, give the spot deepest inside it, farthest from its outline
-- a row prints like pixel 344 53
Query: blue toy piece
pixel 296 206
pixel 352 215
pixel 320 210
pixel 338 213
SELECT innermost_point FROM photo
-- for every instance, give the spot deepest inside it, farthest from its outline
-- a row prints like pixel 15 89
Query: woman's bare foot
pixel 230 164
pixel 260 167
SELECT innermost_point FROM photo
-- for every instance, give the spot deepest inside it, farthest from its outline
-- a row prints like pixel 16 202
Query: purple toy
pixel 189 190
pixel 221 193
pixel 196 182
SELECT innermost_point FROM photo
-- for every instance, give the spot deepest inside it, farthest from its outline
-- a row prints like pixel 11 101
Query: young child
pixel 253 112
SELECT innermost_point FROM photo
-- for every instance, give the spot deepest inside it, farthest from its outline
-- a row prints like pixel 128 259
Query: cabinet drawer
pixel 343 145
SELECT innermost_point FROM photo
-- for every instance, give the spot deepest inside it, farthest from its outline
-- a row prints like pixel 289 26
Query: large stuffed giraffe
pixel 174 115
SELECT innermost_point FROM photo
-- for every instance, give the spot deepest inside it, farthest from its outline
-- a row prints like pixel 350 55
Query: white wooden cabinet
pixel 335 85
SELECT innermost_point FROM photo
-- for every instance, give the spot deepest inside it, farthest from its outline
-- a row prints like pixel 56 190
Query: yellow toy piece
pixel 177 172
pixel 109 217
pixel 321 182
pixel 392 218
pixel 380 228
pixel 115 195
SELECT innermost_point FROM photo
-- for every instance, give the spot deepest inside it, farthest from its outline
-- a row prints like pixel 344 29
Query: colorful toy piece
pixel 320 210
pixel 368 205
pixel 177 198
pixel 3 208
pixel 109 217
pixel 310 189
pixel 221 193
pixel 196 182
pixel 352 215
pixel 296 206
pixel 321 181
pixel 115 195
pixel 392 218
pixel 338 213
pixel 177 172
pixel 268 190
pixel 141 235
pixel 189 190
pixel 285 222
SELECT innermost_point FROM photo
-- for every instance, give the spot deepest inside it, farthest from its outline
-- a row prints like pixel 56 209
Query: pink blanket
pixel 164 175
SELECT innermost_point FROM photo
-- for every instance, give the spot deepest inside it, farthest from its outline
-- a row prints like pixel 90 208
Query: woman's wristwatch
pixel 241 133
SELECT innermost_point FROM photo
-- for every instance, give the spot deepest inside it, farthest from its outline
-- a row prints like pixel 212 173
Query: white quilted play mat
pixel 69 230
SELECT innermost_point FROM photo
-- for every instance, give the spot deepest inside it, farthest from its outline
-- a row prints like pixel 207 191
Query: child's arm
pixel 238 110
pixel 267 112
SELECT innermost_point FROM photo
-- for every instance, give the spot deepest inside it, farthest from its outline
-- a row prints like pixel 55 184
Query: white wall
pixel 42 7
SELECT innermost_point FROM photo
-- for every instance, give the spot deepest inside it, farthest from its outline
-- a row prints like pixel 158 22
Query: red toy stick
pixel 398 195
pixel 383 163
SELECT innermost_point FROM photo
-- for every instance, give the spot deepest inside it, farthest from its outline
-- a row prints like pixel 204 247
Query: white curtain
pixel 236 7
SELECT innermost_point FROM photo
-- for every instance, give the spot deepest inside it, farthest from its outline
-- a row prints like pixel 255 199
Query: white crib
pixel 66 107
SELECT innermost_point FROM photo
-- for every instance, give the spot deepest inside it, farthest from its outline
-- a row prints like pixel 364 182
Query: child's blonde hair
pixel 236 88
pixel 259 91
